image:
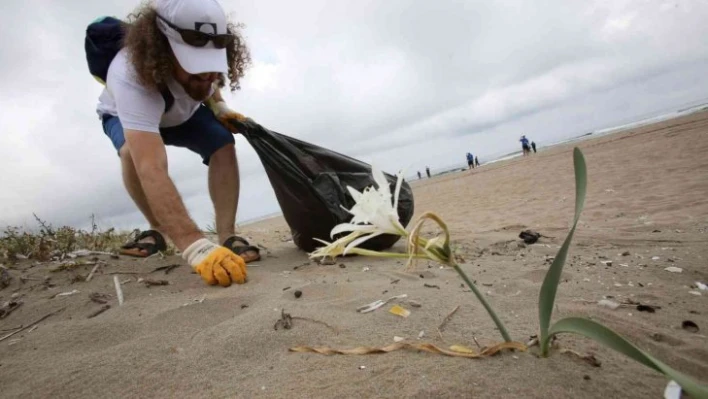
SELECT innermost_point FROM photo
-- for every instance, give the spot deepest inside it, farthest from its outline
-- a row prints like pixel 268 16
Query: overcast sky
pixel 403 84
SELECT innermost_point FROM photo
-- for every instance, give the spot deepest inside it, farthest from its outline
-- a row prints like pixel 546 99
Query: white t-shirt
pixel 137 107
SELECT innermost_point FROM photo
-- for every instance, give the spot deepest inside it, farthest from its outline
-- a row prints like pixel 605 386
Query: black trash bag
pixel 310 184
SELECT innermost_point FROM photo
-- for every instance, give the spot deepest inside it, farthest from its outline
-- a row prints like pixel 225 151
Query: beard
pixel 197 88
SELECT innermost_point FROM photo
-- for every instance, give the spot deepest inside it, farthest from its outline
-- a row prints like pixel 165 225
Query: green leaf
pixel 547 296
pixel 609 338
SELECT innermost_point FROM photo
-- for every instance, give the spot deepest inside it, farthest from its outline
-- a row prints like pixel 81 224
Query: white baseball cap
pixel 201 15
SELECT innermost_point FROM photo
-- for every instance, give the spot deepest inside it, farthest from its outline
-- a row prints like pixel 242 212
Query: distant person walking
pixel 419 175
pixel 427 171
pixel 470 160
pixel 533 145
pixel 525 145
pixel 476 161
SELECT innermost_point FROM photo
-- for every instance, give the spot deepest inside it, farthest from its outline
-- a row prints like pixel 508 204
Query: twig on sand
pixel 446 320
pixel 377 304
pixel 150 282
pixel 99 311
pixel 72 265
pixel 475 341
pixel 167 268
pixel 200 300
pixel 336 331
pixel 90 275
pixel 25 279
pixel 98 298
pixel 127 272
pixel 68 293
pixel 285 321
pixel 31 324
pixel 119 291
pixel 86 252
pixel 10 307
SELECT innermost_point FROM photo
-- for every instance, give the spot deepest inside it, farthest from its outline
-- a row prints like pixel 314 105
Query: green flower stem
pixel 486 305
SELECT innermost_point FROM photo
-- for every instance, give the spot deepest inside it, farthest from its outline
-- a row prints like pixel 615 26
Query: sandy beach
pixel 646 209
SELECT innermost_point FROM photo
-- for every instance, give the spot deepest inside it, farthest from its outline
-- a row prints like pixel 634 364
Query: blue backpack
pixel 104 38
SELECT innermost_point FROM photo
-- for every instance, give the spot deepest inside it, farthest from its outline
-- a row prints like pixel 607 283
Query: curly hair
pixel 152 56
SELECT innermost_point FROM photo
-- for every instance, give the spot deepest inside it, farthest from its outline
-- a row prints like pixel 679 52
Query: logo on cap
pixel 198 26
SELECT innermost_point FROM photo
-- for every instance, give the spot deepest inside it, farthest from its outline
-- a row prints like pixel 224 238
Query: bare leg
pixel 135 190
pixel 224 188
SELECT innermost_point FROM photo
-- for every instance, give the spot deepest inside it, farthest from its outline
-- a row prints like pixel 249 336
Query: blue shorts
pixel 202 133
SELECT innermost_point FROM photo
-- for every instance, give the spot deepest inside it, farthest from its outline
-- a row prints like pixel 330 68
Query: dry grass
pixel 49 242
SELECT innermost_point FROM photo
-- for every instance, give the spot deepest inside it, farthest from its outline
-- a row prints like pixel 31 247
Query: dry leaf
pixel 461 349
pixel 365 350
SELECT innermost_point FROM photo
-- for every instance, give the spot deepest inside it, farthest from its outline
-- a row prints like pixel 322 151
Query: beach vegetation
pixel 374 215
pixel 46 242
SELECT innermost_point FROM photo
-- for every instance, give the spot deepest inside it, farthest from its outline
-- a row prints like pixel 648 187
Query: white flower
pixel 373 213
pixel 335 248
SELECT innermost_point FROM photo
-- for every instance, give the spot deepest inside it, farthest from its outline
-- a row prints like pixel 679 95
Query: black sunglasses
pixel 200 39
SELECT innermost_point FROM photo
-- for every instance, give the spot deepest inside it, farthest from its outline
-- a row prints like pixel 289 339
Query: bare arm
pixel 150 159
pixel 223 113
pixel 215 98
pixel 217 95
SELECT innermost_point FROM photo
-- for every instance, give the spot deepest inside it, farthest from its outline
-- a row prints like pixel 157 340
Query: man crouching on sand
pixel 162 88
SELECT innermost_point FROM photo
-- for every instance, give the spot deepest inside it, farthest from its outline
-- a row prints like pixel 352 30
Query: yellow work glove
pixel 215 263
pixel 224 114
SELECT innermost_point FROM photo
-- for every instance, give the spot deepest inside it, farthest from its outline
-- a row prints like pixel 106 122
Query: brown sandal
pixel 240 250
pixel 144 249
